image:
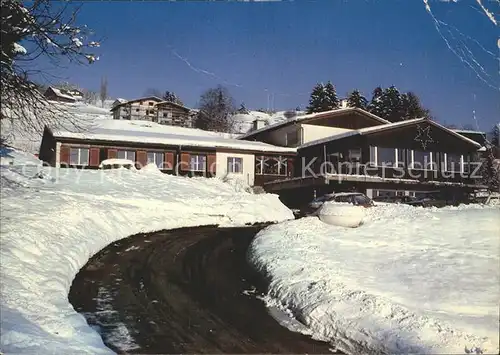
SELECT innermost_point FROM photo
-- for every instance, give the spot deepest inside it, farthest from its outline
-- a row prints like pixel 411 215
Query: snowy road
pixel 184 291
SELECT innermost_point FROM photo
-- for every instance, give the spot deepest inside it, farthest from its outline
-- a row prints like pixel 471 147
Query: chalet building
pixel 54 94
pixel 118 101
pixel 350 149
pixel 175 150
pixel 153 109
pixel 172 114
pixel 138 109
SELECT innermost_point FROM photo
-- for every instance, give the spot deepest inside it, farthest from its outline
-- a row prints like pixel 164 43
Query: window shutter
pixel 289 161
pixel 142 158
pixel 112 153
pixel 64 155
pixel 212 163
pixel 94 157
pixel 169 161
pixel 185 157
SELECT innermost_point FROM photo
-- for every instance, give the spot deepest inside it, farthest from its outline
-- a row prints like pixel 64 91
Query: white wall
pixel 312 132
pixel 248 173
pixel 278 136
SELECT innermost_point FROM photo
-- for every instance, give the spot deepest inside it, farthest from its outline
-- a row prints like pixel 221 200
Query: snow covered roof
pixel 153 133
pixel 368 130
pixel 174 104
pixel 154 98
pixel 468 131
pixel 59 93
pixel 305 118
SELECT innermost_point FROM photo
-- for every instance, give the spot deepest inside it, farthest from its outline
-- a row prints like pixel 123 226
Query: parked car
pixel 426 200
pixel 117 164
pixel 354 198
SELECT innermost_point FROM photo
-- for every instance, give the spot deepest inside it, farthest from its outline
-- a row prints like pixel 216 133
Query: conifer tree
pixel 375 105
pixel 412 108
pixel 323 98
pixel 355 99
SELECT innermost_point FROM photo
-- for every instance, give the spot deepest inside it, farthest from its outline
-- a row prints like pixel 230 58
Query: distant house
pixel 54 94
pixel 138 109
pixel 118 101
pixel 77 94
pixel 153 109
pixel 173 114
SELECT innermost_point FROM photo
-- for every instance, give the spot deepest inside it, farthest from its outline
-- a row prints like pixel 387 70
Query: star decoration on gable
pixel 424 136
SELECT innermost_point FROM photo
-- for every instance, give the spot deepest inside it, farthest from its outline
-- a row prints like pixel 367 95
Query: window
pixel 386 156
pixel 198 163
pixel 234 165
pixel 136 110
pixel 400 160
pixel 422 160
pixel 354 155
pixel 157 158
pixel 151 103
pixel 79 156
pixel 126 154
pixel 453 162
pixel 271 165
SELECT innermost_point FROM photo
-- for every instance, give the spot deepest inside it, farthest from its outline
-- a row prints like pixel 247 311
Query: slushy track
pixel 182 291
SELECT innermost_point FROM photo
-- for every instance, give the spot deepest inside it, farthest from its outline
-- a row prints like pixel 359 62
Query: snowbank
pixel 409 280
pixel 52 222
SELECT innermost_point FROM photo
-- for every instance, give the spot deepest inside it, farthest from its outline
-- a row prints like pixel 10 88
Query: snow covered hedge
pixel 409 280
pixel 53 222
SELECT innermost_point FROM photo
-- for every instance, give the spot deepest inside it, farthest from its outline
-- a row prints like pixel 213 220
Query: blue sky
pixel 287 47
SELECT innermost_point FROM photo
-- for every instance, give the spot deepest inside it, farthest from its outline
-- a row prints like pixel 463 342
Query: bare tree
pixel 216 109
pixel 103 93
pixel 90 97
pixel 32 30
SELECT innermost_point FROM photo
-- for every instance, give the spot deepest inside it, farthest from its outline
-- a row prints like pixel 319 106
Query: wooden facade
pixel 153 109
pixel 173 159
pixel 418 156
pixel 56 95
pixel 172 114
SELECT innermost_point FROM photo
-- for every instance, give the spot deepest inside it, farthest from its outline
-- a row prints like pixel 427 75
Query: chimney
pixel 258 124
pixel 343 103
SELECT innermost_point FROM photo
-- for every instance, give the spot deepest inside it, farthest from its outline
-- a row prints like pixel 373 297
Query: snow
pixel 19 49
pixel 409 280
pixel 116 161
pixel 54 220
pixel 304 118
pixel 154 133
pixel 244 122
pixel 62 94
pixel 29 139
pixel 77 42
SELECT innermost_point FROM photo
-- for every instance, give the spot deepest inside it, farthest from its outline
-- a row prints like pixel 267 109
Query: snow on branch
pixel 33 30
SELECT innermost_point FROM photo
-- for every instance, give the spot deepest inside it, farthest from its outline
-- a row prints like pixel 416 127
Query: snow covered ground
pixel 29 140
pixel 54 220
pixel 409 280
